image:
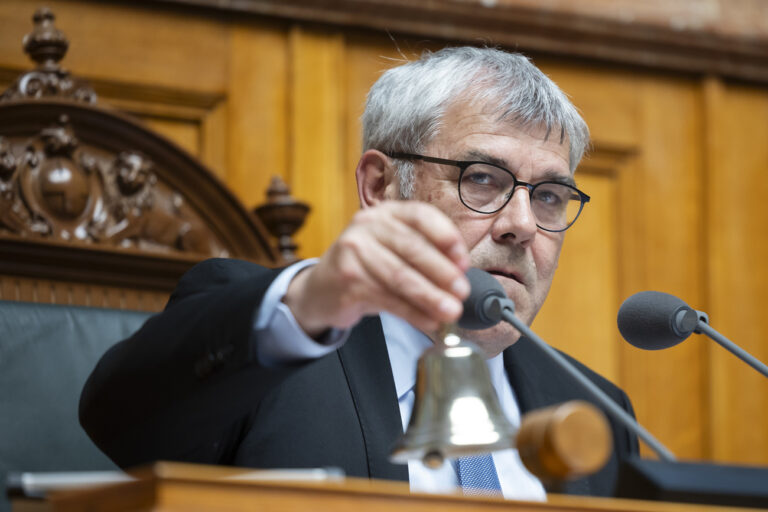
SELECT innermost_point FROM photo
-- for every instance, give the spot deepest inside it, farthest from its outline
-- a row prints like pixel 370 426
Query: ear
pixel 376 180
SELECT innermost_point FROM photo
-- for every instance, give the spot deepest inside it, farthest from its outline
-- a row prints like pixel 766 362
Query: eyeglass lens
pixel 486 188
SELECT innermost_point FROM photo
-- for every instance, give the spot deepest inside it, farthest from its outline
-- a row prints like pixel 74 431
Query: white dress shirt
pixel 281 340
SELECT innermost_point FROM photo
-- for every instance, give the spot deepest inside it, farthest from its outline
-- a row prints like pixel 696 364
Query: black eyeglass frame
pixel 464 164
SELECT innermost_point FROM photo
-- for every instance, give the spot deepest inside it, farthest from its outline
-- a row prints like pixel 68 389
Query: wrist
pixel 300 302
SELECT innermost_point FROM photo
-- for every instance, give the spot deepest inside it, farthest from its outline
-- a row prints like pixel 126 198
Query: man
pixel 314 365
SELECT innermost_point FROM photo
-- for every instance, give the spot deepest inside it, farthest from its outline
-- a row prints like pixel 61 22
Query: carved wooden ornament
pixel 52 187
pixel 47 46
pixel 89 194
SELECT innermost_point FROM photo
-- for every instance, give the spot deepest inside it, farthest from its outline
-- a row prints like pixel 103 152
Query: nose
pixel 516 222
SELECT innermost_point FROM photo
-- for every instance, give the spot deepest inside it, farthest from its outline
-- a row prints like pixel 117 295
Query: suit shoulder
pixel 219 272
pixel 223 270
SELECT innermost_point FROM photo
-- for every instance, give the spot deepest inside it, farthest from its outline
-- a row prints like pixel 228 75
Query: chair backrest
pixel 47 352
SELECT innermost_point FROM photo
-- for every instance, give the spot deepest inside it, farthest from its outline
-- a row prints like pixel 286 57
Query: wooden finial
pixel 46 44
pixel 282 215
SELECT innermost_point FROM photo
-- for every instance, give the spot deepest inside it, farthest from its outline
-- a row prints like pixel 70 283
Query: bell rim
pixel 402 453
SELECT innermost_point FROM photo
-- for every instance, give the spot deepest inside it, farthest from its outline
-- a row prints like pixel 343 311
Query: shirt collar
pixel 405 344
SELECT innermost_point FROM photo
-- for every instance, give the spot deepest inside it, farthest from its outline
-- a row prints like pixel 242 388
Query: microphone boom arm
pixel 704 328
pixel 506 310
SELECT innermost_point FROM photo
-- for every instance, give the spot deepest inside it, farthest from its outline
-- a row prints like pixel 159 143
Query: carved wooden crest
pixel 82 186
pixel 53 187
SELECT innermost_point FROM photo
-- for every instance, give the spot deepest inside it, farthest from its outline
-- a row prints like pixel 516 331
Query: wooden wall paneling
pixel 80 294
pixel 56 293
pixel 737 187
pixel 576 316
pixel 108 297
pixel 98 296
pixel 8 288
pixel 714 153
pixel 149 101
pixel 196 122
pixel 656 120
pixel 72 293
pixel 119 298
pixel 26 290
pixel 185 134
pixel 131 299
pixel 606 98
pixel 127 43
pixel 257 109
pixel 188 118
pixel 366 59
pixel 579 315
pixel 662 250
pixel 213 142
pixel 726 37
pixel 15 23
pixel 318 134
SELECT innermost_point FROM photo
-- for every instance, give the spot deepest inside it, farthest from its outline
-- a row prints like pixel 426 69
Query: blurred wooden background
pixel 675 94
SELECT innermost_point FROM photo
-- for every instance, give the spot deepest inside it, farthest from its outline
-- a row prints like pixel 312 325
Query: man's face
pixel 508 243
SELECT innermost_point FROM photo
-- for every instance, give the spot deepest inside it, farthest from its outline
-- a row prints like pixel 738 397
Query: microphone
pixel 656 320
pixel 479 312
pixel 488 304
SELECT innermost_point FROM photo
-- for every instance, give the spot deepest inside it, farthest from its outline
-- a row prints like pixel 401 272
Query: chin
pixel 493 340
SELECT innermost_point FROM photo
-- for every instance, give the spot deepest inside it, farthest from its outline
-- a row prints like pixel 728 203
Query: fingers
pixel 395 304
pixel 436 227
pixel 403 257
pixel 438 298
pixel 417 257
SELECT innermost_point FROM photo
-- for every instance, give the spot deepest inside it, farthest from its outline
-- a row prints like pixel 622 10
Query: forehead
pixel 467 130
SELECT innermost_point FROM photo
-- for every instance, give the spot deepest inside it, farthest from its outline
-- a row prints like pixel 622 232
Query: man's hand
pixel 404 257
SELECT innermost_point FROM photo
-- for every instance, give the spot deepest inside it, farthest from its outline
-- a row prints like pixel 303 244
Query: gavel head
pixel 564 442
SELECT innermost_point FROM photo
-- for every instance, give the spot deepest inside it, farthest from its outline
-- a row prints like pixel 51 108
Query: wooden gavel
pixel 564 442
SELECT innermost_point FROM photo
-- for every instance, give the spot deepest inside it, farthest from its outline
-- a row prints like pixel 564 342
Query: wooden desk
pixel 185 487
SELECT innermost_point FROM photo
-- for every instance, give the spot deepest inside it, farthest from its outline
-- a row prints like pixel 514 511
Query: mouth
pixel 505 273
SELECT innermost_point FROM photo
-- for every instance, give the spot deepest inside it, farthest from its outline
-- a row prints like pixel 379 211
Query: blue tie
pixel 477 475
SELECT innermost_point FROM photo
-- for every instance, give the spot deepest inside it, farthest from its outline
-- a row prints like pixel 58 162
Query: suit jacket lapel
pixel 538 382
pixel 365 361
pixel 529 374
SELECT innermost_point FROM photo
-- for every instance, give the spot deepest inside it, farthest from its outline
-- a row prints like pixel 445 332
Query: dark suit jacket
pixel 188 386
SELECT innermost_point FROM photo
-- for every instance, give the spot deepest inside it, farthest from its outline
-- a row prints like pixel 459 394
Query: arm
pixel 179 386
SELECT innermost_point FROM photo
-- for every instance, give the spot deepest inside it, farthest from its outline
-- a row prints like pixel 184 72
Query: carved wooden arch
pixel 171 208
pixel 103 135
pixel 89 195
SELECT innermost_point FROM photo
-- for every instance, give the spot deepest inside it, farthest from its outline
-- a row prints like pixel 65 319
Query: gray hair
pixel 405 106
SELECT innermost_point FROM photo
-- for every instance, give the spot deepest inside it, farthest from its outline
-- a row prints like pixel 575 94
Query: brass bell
pixel 456 412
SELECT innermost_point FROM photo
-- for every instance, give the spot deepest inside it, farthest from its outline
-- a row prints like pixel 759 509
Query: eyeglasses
pixel 487 188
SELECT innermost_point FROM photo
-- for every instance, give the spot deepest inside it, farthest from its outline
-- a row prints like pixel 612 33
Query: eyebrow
pixel 477 155
pixel 549 174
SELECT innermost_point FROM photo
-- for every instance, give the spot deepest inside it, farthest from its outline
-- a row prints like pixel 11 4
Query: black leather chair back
pixel 46 353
